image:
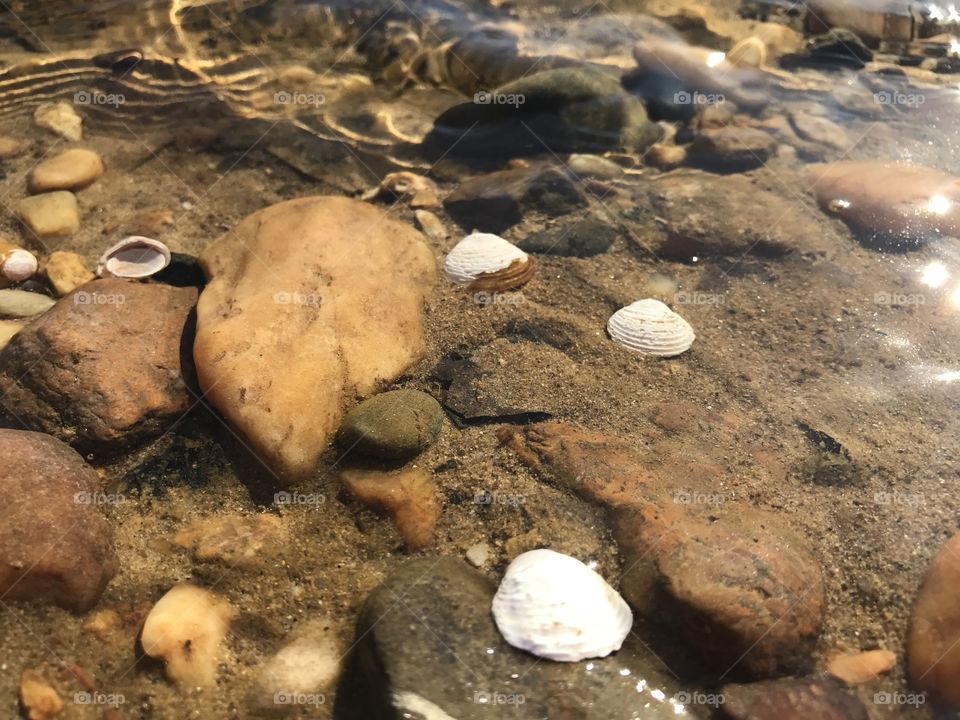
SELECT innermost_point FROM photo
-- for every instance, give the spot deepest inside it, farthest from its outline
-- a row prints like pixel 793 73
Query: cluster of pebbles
pixel 309 348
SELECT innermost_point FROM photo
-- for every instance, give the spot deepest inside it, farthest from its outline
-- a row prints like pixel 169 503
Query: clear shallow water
pixel 825 369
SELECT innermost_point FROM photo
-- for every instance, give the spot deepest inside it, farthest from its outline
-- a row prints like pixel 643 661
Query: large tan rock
pixel 311 302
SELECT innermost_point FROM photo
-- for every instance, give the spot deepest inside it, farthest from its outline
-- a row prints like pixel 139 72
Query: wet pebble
pixel 233 539
pixel 859 668
pixel 933 644
pixel 430 224
pixel 186 629
pixel 394 425
pixel 11 147
pixel 66 271
pixel 732 149
pixel 594 166
pixel 50 215
pixel 73 169
pixel 22 303
pixel 479 555
pixel 38 696
pixel 307 665
pixel 408 495
pixel 55 544
pixel 59 118
pixel 665 157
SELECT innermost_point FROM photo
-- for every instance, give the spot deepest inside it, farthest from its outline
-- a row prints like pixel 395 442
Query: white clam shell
pixel 134 257
pixel 555 607
pixel 650 327
pixel 478 254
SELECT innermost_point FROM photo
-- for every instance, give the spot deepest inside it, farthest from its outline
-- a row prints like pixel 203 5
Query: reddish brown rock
pixel 791 699
pixel 933 646
pixel 408 495
pixel 601 468
pixel 107 367
pixel 743 591
pixel 55 545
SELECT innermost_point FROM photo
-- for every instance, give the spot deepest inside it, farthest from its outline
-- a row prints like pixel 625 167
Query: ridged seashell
pixel 555 607
pixel 650 327
pixel 134 257
pixel 487 262
pixel 16 264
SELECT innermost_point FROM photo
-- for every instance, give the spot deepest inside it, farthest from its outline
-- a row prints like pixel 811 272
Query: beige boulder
pixel 310 303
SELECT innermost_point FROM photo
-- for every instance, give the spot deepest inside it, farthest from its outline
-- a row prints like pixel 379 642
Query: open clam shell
pixel 133 258
pixel 487 262
pixel 650 327
pixel 555 607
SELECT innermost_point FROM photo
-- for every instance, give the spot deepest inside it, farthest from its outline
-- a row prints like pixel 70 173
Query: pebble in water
pixel 38 697
pixel 409 495
pixel 21 304
pixel 70 170
pixel 50 215
pixel 66 271
pixel 186 629
pixel 60 118
pixel 394 425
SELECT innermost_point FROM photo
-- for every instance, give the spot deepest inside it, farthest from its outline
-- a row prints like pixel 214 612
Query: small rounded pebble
pixel 21 303
pixel 11 147
pixel 38 697
pixel 393 425
pixel 859 668
pixel 50 215
pixel 71 170
pixel 478 555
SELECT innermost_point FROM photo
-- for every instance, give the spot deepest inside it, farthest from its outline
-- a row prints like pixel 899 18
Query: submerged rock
pixel 791 699
pixel 499 200
pixel 50 215
pixel 741 590
pixel 889 203
pixel 582 238
pixel 72 169
pixel 55 544
pixel 394 425
pixel 705 215
pixel 298 317
pixel 580 109
pixel 933 645
pixel 107 368
pixel 731 149
pixel 409 495
pixel 438 654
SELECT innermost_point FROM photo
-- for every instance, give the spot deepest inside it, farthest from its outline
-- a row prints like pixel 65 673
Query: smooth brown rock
pixel 745 593
pixel 50 215
pixel 66 271
pixel 906 203
pixel 600 468
pixel 55 545
pixel 106 368
pixel 310 303
pixel 72 169
pixel 820 130
pixel 708 215
pixel 409 495
pixel 731 148
pixel 933 645
pixel 791 699
pixel 859 668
